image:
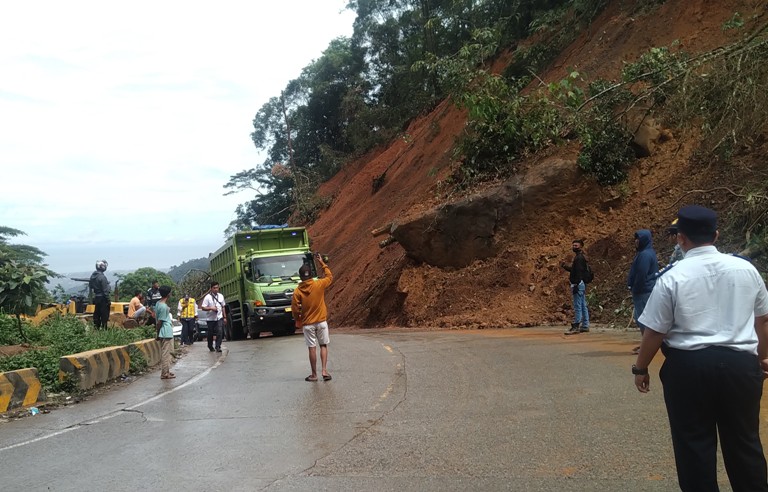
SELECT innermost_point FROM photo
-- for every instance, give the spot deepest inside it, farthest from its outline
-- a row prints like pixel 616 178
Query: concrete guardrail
pixel 22 388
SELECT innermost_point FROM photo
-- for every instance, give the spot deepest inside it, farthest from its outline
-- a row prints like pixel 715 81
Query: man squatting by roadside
pixel 709 316
pixel 135 308
pixel 310 312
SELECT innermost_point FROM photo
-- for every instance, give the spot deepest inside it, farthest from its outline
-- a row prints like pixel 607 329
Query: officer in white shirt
pixel 709 316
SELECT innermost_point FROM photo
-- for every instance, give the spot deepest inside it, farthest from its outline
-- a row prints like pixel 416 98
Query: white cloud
pixel 120 123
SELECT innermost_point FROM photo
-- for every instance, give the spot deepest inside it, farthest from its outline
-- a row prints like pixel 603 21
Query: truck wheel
pixel 236 332
pixel 228 328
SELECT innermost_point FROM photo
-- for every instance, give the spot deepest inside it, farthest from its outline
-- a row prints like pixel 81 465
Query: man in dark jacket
pixel 642 273
pixel 576 278
pixel 100 287
pixel 153 294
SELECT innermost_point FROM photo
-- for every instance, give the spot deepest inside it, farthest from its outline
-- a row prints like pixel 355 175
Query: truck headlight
pixel 261 312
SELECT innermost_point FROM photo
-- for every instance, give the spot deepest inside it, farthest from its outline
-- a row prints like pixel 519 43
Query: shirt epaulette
pixel 665 269
pixel 745 258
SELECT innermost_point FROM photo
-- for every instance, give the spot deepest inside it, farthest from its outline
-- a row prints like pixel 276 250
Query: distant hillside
pixel 177 272
pixel 77 287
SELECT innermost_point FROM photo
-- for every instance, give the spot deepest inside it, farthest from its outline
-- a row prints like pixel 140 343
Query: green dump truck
pixel 257 271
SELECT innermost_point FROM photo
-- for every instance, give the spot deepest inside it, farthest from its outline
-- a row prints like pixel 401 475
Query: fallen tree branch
pixel 719 188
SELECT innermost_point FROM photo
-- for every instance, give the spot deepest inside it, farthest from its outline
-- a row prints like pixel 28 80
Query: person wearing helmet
pixel 99 285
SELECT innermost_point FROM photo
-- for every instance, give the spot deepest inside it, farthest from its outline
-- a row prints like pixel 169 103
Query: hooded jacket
pixel 308 302
pixel 645 266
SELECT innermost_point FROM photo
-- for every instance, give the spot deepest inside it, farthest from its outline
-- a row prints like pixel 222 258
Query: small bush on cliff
pixel 605 151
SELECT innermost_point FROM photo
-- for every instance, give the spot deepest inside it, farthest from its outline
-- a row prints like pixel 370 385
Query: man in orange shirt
pixel 135 308
pixel 308 306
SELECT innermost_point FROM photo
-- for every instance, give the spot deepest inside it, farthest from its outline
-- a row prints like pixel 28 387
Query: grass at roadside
pixel 59 336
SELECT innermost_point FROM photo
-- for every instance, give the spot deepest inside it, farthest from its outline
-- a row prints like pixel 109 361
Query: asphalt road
pixel 522 409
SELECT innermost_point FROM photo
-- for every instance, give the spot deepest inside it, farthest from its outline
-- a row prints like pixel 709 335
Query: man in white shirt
pixel 213 305
pixel 709 316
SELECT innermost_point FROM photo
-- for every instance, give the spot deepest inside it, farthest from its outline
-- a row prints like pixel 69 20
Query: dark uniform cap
pixel 695 220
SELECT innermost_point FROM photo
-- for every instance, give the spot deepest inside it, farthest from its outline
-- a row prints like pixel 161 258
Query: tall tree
pixel 141 280
pixel 23 277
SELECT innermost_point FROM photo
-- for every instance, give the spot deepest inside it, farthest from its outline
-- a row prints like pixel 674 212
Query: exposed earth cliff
pixel 491 258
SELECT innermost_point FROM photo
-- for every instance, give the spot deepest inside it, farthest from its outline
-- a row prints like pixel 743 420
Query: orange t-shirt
pixel 308 303
pixel 133 306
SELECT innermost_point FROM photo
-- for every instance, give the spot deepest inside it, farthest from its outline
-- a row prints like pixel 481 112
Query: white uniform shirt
pixel 707 299
pixel 210 301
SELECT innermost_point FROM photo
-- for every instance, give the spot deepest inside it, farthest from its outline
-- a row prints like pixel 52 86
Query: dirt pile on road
pixel 492 259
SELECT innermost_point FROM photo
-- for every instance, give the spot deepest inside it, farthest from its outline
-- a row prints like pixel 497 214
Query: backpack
pixel 589 276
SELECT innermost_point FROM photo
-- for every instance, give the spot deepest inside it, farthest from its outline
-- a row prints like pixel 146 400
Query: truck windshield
pixel 278 268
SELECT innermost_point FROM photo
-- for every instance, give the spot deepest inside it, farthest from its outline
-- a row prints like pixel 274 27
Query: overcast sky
pixel 121 122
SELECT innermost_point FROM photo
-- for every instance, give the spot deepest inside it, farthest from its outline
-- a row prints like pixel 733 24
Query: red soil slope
pixel 522 285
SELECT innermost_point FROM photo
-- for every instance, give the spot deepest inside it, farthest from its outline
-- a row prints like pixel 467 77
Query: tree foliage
pixel 180 271
pixel 360 93
pixel 197 283
pixel 364 89
pixel 23 277
pixel 141 280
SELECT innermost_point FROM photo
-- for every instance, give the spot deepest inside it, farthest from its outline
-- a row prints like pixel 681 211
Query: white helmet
pixel 101 265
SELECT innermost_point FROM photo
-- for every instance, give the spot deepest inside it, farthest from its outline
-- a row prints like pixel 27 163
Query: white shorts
pixel 316 333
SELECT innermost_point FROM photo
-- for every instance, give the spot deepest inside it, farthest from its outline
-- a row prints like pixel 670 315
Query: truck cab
pixel 258 271
pixel 274 278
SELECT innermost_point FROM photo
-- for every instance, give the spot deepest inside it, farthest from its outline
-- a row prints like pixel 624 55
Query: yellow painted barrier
pixel 20 389
pixel 94 367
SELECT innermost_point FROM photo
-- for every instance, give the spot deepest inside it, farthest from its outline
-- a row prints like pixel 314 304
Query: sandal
pixel 170 376
pixel 327 377
pixel 310 379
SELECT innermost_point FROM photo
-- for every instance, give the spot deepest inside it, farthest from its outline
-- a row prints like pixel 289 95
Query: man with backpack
pixel 580 275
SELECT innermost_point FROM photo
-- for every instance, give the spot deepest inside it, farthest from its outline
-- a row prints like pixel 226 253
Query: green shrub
pixel 605 151
pixel 59 336
pixel 138 361
pixel 9 332
pixel 46 361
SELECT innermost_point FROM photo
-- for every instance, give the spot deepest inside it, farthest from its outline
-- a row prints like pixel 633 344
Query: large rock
pixel 456 234
pixel 648 135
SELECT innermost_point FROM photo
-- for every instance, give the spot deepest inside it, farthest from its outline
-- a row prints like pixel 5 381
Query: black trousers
pixel 187 330
pixel 100 311
pixel 710 391
pixel 215 328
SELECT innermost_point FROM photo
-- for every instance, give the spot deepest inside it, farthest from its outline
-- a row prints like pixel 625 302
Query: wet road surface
pixel 522 409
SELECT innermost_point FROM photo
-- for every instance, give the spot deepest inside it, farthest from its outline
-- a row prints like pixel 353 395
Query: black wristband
pixel 639 372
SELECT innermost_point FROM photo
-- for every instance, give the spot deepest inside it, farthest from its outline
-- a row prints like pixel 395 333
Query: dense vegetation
pixel 59 336
pixel 177 272
pixel 363 90
pixel 407 55
pixel 23 277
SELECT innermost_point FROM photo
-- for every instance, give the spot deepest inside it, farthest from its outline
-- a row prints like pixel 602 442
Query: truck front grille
pixel 278 298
